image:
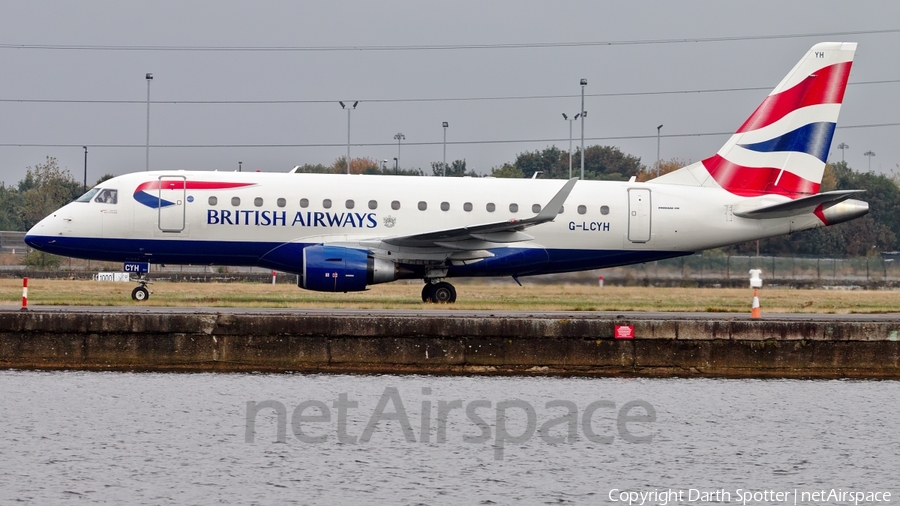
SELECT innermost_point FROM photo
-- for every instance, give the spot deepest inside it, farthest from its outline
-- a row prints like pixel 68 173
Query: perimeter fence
pixel 710 268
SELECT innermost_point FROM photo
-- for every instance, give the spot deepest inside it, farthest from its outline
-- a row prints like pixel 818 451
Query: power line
pixel 396 100
pixel 435 47
pixel 421 143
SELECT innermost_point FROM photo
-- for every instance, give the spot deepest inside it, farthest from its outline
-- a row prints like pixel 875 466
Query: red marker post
pixel 25 294
pixel 755 284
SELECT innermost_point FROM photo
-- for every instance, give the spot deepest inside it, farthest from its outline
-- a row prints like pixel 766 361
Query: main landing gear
pixel 141 292
pixel 438 293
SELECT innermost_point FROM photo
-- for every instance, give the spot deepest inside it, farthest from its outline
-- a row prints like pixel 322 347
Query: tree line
pixel 46 187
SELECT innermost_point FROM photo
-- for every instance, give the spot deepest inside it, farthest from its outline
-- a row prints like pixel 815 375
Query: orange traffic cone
pixel 755 311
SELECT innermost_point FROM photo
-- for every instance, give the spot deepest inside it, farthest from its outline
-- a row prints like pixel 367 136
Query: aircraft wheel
pixel 427 292
pixel 140 294
pixel 443 293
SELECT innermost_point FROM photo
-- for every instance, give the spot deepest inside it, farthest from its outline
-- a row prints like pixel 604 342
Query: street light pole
pixel 149 78
pixel 348 130
pixel 842 146
pixel 85 169
pixel 444 166
pixel 658 129
pixel 870 154
pixel 570 139
pixel 399 138
pixel 583 115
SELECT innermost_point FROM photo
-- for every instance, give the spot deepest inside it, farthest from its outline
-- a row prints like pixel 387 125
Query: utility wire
pixel 436 47
pixel 395 100
pixel 379 144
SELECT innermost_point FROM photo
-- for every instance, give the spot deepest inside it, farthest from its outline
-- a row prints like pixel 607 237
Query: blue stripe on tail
pixel 813 139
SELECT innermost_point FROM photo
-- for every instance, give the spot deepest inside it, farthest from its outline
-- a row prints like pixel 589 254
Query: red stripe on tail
pixel 755 181
pixel 826 86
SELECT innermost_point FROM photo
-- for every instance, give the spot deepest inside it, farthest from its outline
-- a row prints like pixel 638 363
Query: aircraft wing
pixel 476 237
pixel 796 207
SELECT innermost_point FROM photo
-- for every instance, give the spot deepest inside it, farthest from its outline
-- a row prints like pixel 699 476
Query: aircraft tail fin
pixel 781 149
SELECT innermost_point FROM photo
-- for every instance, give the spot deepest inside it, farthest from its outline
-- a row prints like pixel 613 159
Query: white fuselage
pixel 236 218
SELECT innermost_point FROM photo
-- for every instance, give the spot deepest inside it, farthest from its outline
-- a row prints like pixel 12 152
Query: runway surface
pixel 453 313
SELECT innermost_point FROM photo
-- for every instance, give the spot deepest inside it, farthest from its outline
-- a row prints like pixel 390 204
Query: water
pixel 147 438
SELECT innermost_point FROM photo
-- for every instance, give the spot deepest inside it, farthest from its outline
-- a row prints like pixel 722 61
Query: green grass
pixel 471 295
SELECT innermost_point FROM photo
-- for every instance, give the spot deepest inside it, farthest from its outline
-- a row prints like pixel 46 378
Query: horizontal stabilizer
pixel 796 207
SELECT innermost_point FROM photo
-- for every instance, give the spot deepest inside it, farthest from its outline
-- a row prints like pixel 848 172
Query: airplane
pixel 343 233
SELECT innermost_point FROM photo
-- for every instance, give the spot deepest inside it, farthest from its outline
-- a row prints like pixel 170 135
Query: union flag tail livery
pixel 341 233
pixel 782 147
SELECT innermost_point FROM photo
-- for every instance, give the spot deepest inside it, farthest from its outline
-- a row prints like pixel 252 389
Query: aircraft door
pixel 172 191
pixel 638 215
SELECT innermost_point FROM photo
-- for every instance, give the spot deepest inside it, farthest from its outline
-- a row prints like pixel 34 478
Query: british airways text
pixel 280 218
pixel 594 226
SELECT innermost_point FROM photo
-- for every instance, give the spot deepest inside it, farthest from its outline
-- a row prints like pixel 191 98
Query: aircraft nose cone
pixel 31 237
pixel 35 240
pixel 42 234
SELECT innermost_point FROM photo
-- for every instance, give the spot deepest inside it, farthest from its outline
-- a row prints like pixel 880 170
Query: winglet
pixel 549 212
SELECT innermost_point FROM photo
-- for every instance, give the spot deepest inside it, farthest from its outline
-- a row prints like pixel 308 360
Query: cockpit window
pixel 88 196
pixel 107 196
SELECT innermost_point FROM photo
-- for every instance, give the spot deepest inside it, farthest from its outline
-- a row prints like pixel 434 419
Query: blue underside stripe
pixel 288 256
pixel 813 139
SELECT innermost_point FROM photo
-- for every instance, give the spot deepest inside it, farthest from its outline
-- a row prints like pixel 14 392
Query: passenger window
pixel 213 201
pixel 604 210
pixel 281 202
pixel 536 208
pixel 304 203
pixel 423 205
pixel 582 209
pixel 258 202
pixel 445 206
pixel 349 204
pixel 490 207
pixel 326 203
pixel 395 205
pixel 107 197
pixel 373 204
pixel 467 207
pixel 235 201
pixel 514 208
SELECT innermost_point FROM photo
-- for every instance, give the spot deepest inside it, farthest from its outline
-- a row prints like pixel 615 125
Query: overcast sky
pixel 73 74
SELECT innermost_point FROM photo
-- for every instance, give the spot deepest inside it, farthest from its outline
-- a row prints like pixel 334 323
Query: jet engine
pixel 340 269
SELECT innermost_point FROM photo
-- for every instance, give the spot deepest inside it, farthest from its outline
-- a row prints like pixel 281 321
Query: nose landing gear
pixel 141 292
pixel 438 293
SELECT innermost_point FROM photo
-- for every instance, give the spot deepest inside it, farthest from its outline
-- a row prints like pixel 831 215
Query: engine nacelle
pixel 339 269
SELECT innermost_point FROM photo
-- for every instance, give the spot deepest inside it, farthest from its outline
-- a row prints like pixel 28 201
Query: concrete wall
pixel 448 344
